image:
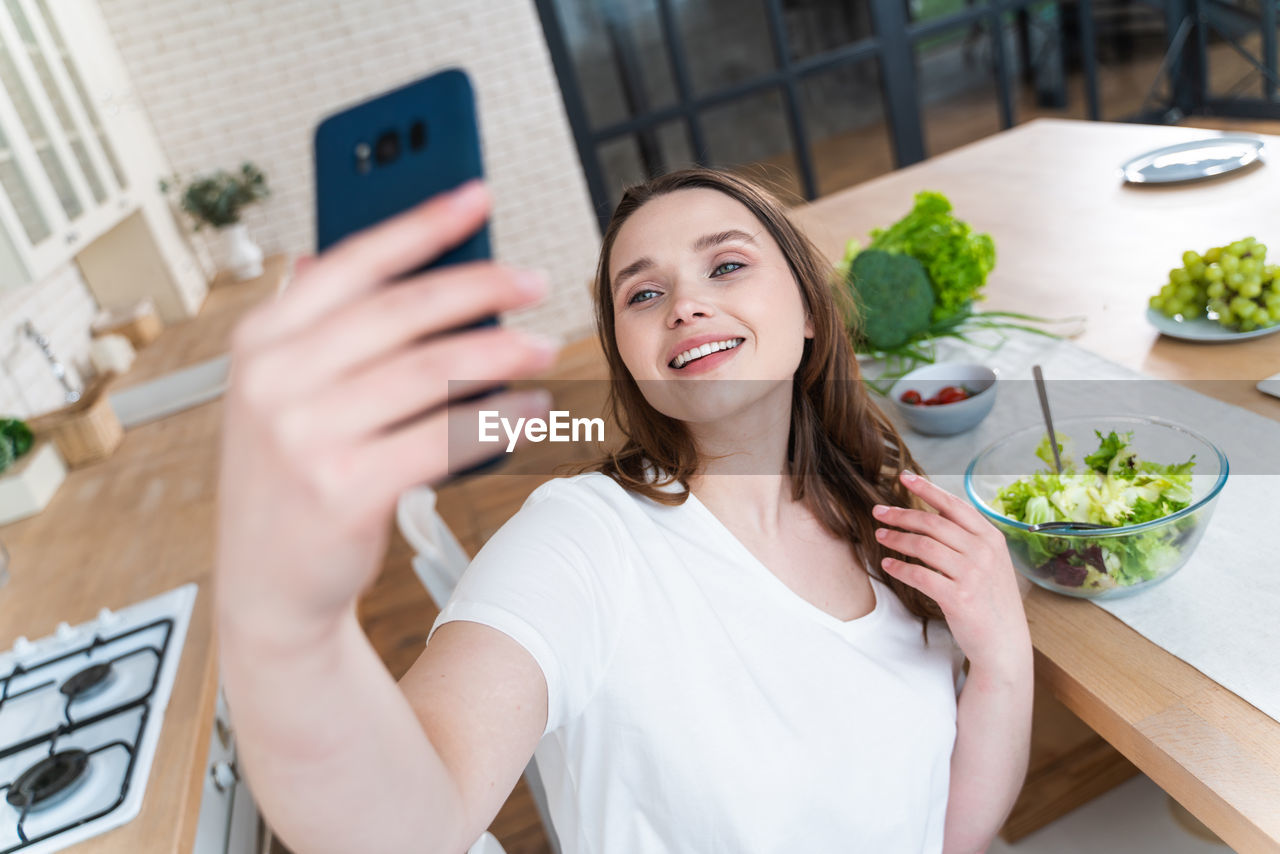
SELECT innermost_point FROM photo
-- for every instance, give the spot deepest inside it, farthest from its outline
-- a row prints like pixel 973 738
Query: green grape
pixel 1261 316
pixel 1247 324
pixel 1238 248
pixel 1249 266
pixel 1212 255
pixel 1258 251
pixel 1187 293
pixel 1241 306
pixel 1251 287
pixel 1213 274
pixel 1215 290
pixel 1179 276
pixel 1235 280
pixel 1196 270
pixel 1230 263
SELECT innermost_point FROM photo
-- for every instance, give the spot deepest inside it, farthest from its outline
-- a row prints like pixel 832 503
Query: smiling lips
pixel 693 354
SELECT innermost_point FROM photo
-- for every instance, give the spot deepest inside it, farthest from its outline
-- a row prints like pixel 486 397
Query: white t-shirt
pixel 696 703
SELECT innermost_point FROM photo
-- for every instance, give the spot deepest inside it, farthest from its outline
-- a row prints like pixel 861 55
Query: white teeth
pixel 705 350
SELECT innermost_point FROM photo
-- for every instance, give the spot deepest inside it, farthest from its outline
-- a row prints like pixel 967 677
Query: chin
pixel 707 401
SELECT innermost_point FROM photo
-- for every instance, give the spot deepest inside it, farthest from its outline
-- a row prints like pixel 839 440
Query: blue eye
pixel 634 296
pixel 736 265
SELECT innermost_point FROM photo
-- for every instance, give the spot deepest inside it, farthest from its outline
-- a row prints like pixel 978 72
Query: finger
pixel 390 318
pixel 378 254
pixel 421 452
pixel 927 549
pixel 950 506
pixel 303 263
pixel 934 525
pixel 934 585
pixel 419 379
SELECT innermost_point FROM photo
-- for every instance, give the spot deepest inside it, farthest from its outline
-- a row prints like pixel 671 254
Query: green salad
pixel 1114 488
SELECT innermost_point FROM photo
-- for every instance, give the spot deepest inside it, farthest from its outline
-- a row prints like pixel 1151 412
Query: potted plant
pixel 217 199
pixel 31 471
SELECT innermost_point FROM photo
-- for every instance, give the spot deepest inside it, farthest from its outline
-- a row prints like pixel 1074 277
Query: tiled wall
pixel 61 308
pixel 229 80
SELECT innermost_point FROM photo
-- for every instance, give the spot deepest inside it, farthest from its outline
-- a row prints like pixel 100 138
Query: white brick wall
pixel 61 308
pixel 240 80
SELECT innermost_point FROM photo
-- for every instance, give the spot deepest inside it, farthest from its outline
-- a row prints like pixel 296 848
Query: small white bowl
pixel 946 419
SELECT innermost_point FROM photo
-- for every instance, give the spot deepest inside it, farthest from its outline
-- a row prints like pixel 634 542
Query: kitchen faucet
pixel 71 393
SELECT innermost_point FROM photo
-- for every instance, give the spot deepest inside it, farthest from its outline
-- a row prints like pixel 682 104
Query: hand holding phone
pixel 336 405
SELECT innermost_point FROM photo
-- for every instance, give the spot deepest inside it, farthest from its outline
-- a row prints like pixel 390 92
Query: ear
pixel 808 326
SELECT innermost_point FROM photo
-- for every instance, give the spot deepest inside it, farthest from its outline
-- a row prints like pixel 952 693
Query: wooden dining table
pixel 1073 238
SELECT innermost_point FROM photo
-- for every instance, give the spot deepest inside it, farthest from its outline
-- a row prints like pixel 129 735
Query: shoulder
pixel 593 492
pixel 586 510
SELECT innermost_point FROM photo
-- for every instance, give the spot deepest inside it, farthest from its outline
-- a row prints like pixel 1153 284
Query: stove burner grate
pixel 88 682
pixel 49 781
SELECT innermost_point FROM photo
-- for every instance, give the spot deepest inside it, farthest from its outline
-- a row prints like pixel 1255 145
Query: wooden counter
pixel 130 527
pixel 1072 239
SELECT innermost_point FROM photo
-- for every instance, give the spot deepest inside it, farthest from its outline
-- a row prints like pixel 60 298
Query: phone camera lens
pixel 387 148
pixel 417 136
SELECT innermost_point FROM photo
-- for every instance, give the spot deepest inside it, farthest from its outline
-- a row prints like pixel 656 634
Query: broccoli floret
pixel 894 297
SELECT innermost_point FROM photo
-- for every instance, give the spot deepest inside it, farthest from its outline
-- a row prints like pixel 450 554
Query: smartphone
pixel 394 151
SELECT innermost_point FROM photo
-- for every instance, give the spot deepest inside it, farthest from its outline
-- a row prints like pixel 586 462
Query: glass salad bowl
pixel 1148 508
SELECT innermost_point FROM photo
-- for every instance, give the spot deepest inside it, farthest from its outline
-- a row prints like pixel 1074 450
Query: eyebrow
pixel 701 244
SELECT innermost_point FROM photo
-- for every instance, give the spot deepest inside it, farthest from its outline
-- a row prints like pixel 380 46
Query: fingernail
pixel 908 475
pixel 881 533
pixel 542 343
pixel 467 194
pixel 532 282
pixel 536 402
pixel 879 510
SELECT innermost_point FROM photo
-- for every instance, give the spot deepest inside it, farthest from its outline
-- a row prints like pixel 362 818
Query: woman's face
pixel 693 268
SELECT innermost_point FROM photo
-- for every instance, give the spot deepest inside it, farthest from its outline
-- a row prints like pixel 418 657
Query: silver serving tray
pixel 1193 160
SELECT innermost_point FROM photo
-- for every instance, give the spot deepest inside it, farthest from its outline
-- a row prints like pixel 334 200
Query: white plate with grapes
pixel 1202 328
pixel 1228 293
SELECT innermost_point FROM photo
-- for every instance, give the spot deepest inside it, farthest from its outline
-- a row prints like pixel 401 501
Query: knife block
pixel 87 430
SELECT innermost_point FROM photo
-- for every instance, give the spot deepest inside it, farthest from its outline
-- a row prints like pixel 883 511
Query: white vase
pixel 244 257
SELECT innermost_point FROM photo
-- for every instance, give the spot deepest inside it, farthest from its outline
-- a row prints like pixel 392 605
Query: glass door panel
pixel 68 65
pixel 37 132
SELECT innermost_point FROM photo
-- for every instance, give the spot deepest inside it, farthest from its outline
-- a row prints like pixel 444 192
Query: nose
pixel 686 306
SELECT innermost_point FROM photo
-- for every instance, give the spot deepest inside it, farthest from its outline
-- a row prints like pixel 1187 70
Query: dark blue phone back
pixel 357 188
pixel 349 199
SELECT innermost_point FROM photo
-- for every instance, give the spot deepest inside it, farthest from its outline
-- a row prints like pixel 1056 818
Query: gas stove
pixel 80 716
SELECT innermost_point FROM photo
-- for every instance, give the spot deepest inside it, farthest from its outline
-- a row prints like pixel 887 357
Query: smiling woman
pixel 725 578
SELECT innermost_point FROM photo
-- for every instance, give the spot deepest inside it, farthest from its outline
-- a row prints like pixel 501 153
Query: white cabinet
pixel 62 182
pixel 78 159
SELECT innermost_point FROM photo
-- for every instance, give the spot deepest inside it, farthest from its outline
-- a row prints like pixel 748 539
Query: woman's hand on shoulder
pixel 964 566
pixel 336 405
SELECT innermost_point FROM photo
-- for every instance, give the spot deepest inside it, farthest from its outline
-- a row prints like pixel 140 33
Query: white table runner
pixel 1221 612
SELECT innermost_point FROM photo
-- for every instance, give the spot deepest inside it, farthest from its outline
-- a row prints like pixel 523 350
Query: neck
pixel 749 480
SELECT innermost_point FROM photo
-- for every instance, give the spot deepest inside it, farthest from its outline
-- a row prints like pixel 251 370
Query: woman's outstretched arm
pixel 335 407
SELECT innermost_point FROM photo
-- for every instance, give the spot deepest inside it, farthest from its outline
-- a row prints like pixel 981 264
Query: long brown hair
pixel 845 455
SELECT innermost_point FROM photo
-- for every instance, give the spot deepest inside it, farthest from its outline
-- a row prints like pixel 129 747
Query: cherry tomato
pixel 950 394
pixel 910 396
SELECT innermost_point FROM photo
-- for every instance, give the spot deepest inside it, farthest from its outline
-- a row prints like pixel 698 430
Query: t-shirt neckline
pixel 784 594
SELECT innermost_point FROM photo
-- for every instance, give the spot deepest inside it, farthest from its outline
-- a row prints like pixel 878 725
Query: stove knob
pixel 224 775
pixel 65 633
pixel 22 646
